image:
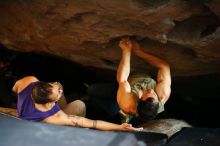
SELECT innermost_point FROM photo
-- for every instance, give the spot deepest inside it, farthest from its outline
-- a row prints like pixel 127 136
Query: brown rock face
pixel 184 32
pixel 166 126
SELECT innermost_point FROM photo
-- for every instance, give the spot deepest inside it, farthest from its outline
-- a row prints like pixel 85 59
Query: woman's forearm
pixel 96 124
pixel 102 125
pixel 71 120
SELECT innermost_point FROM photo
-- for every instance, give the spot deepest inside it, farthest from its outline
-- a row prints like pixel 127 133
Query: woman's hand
pixel 128 127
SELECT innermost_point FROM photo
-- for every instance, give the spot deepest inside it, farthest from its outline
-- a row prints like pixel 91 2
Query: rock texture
pixel 185 32
pixel 165 126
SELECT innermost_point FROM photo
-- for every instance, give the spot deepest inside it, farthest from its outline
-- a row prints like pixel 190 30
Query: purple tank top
pixel 26 108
